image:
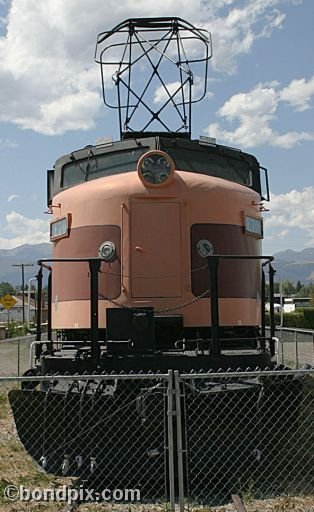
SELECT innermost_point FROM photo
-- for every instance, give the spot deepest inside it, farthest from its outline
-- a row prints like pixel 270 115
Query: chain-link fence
pixel 247 433
pixel 108 432
pixel 295 347
pixel 14 355
pixel 186 438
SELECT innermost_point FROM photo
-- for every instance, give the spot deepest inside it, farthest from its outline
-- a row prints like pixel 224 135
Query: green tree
pixel 288 288
pixel 298 287
pixel 6 288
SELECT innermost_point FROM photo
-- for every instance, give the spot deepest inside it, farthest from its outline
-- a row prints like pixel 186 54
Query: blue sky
pixel 261 97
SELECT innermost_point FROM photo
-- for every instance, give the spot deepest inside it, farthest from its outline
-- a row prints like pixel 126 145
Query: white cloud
pixel 255 110
pixel 161 94
pixel 289 218
pixel 299 94
pixel 289 211
pixel 19 230
pixel 69 112
pixel 235 33
pixel 48 82
pixel 12 197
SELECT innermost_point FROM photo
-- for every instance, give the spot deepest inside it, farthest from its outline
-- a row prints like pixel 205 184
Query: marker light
pixel 155 168
pixel 59 228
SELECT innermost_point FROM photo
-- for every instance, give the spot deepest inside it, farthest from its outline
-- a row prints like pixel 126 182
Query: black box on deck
pixel 136 324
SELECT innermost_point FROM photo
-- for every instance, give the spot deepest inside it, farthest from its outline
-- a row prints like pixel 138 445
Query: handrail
pixel 212 263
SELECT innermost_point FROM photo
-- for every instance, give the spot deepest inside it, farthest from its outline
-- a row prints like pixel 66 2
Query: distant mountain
pixel 306 255
pixel 295 265
pixel 21 254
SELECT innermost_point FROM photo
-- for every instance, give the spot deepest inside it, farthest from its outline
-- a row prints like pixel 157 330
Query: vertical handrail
pixel 94 266
pixel 179 440
pixel 263 303
pixel 170 440
pixel 49 329
pixel 272 272
pixel 39 302
pixel 212 262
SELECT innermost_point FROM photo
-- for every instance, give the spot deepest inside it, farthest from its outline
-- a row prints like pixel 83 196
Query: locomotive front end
pixel 155 217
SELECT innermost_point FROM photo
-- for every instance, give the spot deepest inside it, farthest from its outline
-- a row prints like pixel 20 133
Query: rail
pixel 295 346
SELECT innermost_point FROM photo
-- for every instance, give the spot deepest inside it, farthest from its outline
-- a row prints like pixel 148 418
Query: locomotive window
pixel 98 166
pixel 220 166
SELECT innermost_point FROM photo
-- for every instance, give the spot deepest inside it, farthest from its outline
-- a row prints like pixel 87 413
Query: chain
pixel 153 277
pixel 165 310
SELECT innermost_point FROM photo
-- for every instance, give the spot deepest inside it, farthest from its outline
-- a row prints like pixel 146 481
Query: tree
pixel 298 287
pixel 311 294
pixel 288 288
pixel 6 288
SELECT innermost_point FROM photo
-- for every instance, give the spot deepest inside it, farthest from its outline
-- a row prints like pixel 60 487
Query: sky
pixel 260 99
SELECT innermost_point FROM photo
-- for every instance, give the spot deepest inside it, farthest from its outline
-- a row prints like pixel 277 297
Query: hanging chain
pixel 165 310
pixel 181 274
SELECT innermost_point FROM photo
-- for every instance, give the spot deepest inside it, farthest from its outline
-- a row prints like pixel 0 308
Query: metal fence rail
pixel 177 438
pixel 296 347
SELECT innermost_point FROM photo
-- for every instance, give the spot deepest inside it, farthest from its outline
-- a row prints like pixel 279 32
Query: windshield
pixel 189 156
pixel 212 164
pixel 98 166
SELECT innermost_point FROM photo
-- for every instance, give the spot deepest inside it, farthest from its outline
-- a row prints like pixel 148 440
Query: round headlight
pixel 107 251
pixel 155 168
pixel 205 248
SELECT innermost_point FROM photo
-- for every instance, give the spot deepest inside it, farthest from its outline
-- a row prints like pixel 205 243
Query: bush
pixel 308 314
pixel 15 329
pixel 300 319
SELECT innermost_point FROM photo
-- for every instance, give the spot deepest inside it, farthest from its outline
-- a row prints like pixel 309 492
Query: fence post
pixel 296 349
pixel 179 440
pixel 282 349
pixel 18 356
pixel 170 439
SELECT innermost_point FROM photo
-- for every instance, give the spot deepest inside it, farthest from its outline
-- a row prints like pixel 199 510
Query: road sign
pixel 8 301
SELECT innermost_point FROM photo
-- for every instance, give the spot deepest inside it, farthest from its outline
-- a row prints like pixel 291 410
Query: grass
pixel 17 467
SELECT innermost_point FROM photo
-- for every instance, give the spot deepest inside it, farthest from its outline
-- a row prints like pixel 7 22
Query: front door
pixel 155 250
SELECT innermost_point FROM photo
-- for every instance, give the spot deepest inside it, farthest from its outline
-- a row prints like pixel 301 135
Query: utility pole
pixel 22 266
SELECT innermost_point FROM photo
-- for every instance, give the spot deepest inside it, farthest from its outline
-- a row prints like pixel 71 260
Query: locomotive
pixel 175 222
pixel 157 261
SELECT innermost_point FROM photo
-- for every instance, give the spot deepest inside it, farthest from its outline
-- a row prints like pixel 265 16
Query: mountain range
pixel 295 265
pixel 27 254
pixel 292 265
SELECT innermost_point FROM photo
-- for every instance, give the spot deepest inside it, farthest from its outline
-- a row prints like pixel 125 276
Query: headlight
pixel 107 251
pixel 155 168
pixel 205 248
